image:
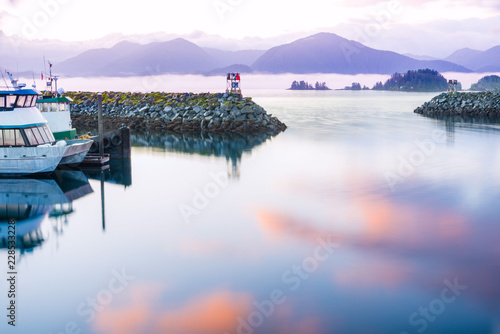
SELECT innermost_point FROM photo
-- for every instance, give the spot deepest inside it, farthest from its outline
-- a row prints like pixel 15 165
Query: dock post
pixel 103 206
pixel 99 121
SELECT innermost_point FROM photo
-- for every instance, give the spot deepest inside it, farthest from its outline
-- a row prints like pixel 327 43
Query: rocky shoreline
pixel 484 105
pixel 176 112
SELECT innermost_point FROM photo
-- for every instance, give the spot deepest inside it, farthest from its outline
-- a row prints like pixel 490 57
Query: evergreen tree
pixel 490 83
pixel 304 85
pixel 419 81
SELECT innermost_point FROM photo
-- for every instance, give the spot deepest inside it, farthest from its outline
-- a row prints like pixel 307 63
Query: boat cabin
pixel 12 132
pixel 55 104
pixel 17 99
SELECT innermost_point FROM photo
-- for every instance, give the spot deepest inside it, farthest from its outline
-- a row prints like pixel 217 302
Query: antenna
pixel 3 76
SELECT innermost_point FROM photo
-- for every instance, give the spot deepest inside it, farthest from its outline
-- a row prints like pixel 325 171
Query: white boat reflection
pixel 30 201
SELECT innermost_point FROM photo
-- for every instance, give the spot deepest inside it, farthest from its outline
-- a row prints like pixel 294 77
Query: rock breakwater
pixel 476 105
pixel 177 112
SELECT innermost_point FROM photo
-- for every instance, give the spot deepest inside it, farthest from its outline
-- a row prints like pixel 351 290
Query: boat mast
pixel 52 81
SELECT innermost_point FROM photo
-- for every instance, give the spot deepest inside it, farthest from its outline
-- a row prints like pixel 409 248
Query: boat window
pixel 9 137
pixel 15 211
pixel 49 133
pixel 33 102
pixel 53 107
pixel 44 135
pixel 19 138
pixel 45 132
pixel 1 138
pixel 20 101
pixel 30 136
pixel 38 136
pixel 2 101
pixel 11 101
pixel 29 100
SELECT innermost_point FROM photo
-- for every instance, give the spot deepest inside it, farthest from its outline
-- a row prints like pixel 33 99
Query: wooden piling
pixel 100 124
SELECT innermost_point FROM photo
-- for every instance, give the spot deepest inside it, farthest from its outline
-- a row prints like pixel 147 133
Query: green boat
pixel 57 111
pixel 56 108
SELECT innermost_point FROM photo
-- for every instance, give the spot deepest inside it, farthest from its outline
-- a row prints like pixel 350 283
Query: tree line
pixel 304 85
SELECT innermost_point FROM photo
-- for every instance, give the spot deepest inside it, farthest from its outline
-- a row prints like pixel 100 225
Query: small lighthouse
pixel 233 83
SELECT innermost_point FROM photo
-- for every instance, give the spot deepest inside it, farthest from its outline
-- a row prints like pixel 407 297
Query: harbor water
pixel 362 217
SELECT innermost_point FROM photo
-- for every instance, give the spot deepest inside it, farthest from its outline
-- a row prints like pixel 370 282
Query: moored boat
pixel 56 108
pixel 76 151
pixel 27 145
pixel 57 111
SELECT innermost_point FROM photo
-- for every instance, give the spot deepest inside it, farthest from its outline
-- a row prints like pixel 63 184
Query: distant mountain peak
pixel 323 37
pixel 331 53
pixel 180 41
pixel 479 61
pixel 464 52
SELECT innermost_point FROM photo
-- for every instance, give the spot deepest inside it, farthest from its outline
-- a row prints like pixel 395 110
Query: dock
pixel 93 159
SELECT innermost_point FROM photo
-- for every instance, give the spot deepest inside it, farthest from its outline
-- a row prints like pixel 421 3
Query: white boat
pixel 29 202
pixel 27 145
pixel 57 109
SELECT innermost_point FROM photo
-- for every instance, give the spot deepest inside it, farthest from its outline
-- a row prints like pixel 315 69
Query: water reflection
pixel 229 146
pixel 118 171
pixel 30 201
pixel 452 123
pixel 327 182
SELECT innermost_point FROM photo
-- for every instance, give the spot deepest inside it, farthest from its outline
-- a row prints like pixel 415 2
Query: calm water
pixel 361 218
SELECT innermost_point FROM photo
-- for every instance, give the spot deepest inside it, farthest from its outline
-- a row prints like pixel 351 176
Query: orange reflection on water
pixel 387 220
pixel 213 313
pixel 129 319
pixel 373 221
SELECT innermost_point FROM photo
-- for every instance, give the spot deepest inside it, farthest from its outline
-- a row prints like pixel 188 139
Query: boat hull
pixel 76 150
pixel 19 161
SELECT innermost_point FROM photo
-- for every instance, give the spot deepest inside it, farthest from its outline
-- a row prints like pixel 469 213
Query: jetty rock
pixel 468 104
pixel 177 112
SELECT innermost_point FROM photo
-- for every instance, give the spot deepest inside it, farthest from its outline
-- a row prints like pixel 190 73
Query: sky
pixel 422 27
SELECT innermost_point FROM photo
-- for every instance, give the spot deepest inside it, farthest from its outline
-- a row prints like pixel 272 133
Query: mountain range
pixel 175 56
pixel 478 61
pixel 319 53
pixel 330 53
